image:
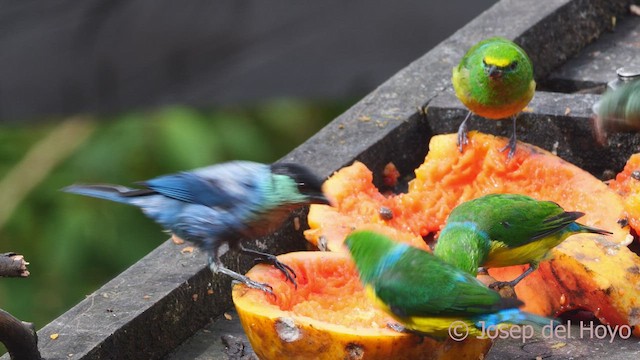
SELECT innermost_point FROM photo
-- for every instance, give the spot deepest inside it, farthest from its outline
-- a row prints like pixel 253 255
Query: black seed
pixel 385 213
pixel 623 222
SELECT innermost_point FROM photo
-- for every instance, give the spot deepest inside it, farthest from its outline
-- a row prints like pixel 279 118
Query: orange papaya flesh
pixel 448 178
pixel 329 316
pixel 357 204
pixel 604 270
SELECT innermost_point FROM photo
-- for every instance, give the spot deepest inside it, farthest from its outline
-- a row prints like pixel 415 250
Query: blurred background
pixel 122 91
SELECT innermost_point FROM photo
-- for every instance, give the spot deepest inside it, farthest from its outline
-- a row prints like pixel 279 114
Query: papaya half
pixel 329 316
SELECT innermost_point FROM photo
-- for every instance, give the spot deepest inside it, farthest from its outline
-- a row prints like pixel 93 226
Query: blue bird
pixel 215 207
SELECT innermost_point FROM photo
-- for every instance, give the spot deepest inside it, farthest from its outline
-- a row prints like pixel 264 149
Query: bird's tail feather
pixel 115 193
pixel 514 316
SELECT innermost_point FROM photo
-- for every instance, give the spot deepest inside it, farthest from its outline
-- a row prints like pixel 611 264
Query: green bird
pixel 427 295
pixel 506 229
pixel 494 80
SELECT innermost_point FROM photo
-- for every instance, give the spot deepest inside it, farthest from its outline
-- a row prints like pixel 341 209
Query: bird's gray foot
pixel 218 267
pixel 288 272
pixel 462 133
pixel 513 141
pixel 511 145
pixel 255 285
pixel 501 284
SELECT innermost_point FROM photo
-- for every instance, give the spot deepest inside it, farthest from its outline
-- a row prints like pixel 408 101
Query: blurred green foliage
pixel 75 244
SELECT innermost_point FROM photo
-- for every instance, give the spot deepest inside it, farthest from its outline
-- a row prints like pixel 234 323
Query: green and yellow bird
pixel 494 80
pixel 499 230
pixel 427 295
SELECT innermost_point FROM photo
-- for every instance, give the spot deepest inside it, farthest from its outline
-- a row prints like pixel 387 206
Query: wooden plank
pixel 207 343
pixel 151 295
pixel 387 125
pixel 595 65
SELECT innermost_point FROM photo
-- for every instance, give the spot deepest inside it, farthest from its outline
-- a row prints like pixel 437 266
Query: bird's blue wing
pixel 191 188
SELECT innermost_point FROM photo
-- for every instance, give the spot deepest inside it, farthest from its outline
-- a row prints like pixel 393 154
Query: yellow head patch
pixel 497 61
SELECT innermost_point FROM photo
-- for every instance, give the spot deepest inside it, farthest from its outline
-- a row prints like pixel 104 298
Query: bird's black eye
pixel 512 66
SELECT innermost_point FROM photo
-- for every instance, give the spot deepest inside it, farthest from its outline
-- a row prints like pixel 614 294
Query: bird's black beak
pixel 494 72
pixel 318 198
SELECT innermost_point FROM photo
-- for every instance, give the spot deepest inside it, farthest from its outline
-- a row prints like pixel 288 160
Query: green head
pixel 503 60
pixel 367 248
pixel 293 183
pixel 463 245
pixel 494 78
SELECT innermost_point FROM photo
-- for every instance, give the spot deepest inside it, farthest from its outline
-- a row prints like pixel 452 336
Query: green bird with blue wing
pixel 427 295
pixel 499 230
